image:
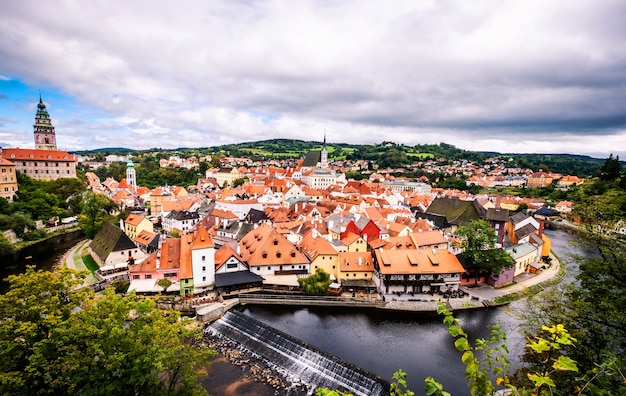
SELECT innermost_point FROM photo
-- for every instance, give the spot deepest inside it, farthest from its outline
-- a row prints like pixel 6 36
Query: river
pixel 43 255
pixel 416 343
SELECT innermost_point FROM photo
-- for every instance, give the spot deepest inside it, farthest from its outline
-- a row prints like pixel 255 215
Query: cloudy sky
pixel 509 76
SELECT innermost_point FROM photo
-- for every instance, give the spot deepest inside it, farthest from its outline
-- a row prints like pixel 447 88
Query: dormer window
pixel 293 254
pixel 31 156
pixel 275 242
pixel 278 254
pixel 49 156
pixel 264 255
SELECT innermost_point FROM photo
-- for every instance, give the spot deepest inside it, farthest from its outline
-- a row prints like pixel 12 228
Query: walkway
pixel 73 259
pixel 522 283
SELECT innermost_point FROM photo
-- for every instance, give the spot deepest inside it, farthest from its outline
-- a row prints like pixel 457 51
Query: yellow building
pixel 135 224
pixel 8 179
pixel 321 253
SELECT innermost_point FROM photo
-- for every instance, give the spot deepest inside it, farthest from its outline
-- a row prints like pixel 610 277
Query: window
pixel 148 276
pixel 135 276
pixel 269 268
pixel 203 268
pixel 203 258
pixel 204 279
pixel 231 265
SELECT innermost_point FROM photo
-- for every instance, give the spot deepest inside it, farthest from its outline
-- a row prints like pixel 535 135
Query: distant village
pixel 248 226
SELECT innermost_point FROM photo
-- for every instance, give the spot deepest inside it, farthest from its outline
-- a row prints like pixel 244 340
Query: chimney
pixel 239 250
pixel 122 224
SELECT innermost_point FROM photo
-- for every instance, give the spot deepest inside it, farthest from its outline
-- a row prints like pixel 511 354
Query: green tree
pixel 96 209
pixel 611 169
pixel 316 283
pixel 6 247
pixel 478 242
pixel 112 345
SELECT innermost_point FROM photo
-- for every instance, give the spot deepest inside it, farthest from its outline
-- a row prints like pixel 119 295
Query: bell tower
pixel 45 138
pixel 131 178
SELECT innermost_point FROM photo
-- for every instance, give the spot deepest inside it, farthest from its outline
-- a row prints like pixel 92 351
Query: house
pixel 449 213
pixel 320 253
pixel 354 242
pixel 356 271
pixel 181 221
pixel 202 254
pixel 162 263
pixel 520 228
pixel 232 275
pixel 135 224
pixel 539 180
pixel 269 253
pixel 429 239
pixel 524 255
pixel 112 246
pixel 8 180
pixel 147 241
pixel 416 271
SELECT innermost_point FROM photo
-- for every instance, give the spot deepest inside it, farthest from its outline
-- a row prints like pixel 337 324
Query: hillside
pixel 386 154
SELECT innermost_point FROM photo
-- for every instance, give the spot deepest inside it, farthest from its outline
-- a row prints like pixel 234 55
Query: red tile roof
pixel 37 155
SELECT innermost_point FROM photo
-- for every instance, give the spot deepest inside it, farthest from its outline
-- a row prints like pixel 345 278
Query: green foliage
pixel 6 247
pixel 611 169
pixel 316 283
pixel 43 199
pixel 164 283
pixel 114 345
pixel 479 247
pixel 96 209
pixel 398 385
pixel 19 222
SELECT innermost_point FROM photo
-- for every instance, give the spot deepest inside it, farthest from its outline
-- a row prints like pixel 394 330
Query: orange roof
pixel 223 254
pixel 144 237
pixel 6 162
pixel 417 261
pixel 147 265
pixel 134 219
pixel 37 155
pixel 400 242
pixel 202 240
pixel 170 254
pixel 313 247
pixel 265 246
pixel 354 262
pixel 349 238
pixel 427 238
pixel 186 267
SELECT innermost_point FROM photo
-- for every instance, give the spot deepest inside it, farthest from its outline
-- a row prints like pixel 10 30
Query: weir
pixel 312 366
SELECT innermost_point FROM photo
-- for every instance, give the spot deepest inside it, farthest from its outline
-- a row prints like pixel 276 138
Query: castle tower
pixel 324 155
pixel 131 178
pixel 45 138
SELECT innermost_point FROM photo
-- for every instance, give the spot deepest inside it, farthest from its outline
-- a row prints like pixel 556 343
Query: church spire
pixel 45 137
pixel 324 155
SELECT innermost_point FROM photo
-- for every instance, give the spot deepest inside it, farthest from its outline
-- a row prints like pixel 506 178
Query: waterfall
pixel 312 366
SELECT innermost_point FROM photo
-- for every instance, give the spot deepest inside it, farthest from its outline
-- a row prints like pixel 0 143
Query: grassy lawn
pixel 90 263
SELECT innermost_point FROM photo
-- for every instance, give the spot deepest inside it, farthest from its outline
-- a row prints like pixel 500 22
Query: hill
pixel 386 154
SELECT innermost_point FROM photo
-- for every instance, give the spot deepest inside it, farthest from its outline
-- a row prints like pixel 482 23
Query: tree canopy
pixel 57 339
pixel 478 242
pixel 316 283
